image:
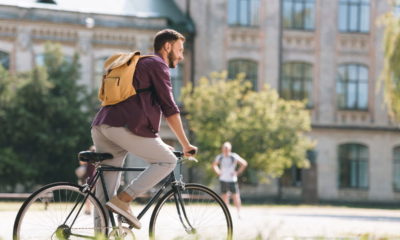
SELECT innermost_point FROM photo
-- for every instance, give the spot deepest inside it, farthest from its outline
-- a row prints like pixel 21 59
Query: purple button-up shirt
pixel 141 113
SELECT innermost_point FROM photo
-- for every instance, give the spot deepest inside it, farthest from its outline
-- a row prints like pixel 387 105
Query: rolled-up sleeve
pixel 163 89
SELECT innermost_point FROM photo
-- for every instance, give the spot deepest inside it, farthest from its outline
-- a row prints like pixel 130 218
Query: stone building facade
pixel 328 52
pixel 93 30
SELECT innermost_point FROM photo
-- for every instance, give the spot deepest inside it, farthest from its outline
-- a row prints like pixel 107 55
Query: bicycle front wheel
pixel 57 211
pixel 202 215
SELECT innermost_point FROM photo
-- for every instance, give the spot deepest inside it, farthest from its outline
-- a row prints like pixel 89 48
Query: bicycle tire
pixel 206 212
pixel 43 214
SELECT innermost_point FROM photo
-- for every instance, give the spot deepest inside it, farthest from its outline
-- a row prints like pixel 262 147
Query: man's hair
pixel 227 145
pixel 166 35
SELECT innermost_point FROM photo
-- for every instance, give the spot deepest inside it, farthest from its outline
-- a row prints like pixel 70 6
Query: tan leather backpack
pixel 117 83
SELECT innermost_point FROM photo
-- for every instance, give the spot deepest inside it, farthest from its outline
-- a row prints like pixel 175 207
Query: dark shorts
pixel 232 187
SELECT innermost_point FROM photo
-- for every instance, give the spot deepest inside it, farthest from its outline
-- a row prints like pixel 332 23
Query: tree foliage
pixel 391 69
pixel 264 129
pixel 44 121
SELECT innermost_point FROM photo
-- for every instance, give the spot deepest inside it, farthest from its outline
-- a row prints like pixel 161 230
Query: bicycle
pixel 184 211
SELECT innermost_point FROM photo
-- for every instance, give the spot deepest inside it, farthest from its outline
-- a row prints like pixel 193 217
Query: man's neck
pixel 164 56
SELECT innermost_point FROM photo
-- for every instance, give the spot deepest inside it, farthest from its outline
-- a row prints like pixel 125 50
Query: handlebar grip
pixel 192 152
pixel 180 154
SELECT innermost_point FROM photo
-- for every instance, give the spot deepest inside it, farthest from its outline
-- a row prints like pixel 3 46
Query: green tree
pixel 391 69
pixel 45 123
pixel 263 128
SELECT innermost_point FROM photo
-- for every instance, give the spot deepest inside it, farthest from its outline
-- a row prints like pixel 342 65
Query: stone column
pixel 327 75
pixel 270 24
pixel 85 57
pixel 23 49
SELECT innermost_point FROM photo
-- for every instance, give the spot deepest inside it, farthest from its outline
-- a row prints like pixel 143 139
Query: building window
pixel 298 14
pixel 292 177
pixel 248 67
pixel 352 87
pixel 396 168
pixel 296 83
pixel 98 71
pixel 40 59
pixel 396 8
pixel 5 60
pixel 177 81
pixel 353 165
pixel 354 16
pixel 243 12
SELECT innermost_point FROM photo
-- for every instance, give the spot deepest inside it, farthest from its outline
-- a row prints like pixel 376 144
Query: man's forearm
pixel 175 123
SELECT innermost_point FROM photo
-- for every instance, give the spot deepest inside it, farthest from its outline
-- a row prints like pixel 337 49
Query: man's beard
pixel 171 59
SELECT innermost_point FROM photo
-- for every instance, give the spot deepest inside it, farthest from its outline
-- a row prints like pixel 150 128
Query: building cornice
pixel 356 128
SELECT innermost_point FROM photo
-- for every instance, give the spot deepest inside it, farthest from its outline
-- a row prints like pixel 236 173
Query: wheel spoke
pixel 205 212
pixel 56 218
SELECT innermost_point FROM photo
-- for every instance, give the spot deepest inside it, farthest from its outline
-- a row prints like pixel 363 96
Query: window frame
pixel 6 65
pixel 252 77
pixel 251 15
pixel 396 161
pixel 396 8
pixel 343 85
pixel 348 5
pixel 306 82
pixel 346 165
pixel 291 16
pixel 98 71
pixel 178 78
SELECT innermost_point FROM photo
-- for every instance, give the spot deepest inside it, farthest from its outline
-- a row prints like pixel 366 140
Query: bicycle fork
pixel 180 207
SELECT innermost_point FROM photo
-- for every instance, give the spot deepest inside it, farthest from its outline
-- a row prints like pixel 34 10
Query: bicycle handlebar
pixel 180 154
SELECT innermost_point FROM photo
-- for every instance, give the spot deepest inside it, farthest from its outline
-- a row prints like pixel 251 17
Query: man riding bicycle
pixel 133 125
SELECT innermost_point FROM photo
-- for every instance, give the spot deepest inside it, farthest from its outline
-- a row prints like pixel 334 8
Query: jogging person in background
pixel 228 166
pixel 133 126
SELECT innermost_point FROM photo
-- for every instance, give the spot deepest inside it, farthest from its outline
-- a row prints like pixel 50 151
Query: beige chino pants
pixel 119 141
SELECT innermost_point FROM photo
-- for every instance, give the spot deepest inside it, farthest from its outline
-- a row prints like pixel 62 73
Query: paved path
pixel 276 222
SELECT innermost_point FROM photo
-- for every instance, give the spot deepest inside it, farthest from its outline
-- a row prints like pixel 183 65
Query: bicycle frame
pixel 173 198
pixel 170 180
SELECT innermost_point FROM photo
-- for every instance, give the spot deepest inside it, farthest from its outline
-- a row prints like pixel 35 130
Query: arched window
pixel 243 12
pixel 5 60
pixel 177 81
pixel 353 165
pixel 354 16
pixel 352 87
pixel 396 168
pixel 247 67
pixel 296 83
pixel 298 14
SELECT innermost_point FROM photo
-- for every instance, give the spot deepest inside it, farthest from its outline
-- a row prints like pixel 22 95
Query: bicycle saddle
pixel 88 156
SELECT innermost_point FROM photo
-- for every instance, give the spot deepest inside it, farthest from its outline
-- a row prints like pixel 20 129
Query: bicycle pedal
pixel 122 219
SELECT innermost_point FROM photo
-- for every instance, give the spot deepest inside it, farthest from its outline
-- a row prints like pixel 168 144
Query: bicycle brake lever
pixel 192 159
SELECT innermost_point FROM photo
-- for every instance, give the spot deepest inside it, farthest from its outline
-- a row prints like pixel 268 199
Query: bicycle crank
pixel 121 233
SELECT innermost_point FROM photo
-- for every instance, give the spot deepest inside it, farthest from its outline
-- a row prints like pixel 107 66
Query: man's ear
pixel 167 46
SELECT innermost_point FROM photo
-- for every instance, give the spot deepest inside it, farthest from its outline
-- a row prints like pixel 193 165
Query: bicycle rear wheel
pixel 56 211
pixel 207 216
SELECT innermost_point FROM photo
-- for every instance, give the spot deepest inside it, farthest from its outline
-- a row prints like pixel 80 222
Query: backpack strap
pixel 232 159
pixel 221 156
pixel 219 159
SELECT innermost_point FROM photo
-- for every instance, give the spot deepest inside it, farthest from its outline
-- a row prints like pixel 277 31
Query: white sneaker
pixel 122 208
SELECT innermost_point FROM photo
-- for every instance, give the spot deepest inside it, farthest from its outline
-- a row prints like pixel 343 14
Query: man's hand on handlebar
pixel 189 150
